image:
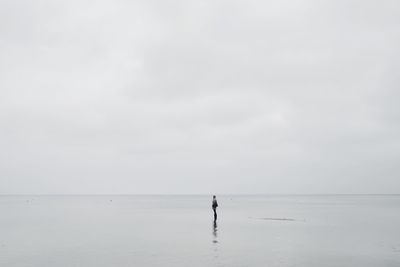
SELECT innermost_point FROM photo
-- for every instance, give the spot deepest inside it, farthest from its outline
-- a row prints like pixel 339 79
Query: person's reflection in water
pixel 215 229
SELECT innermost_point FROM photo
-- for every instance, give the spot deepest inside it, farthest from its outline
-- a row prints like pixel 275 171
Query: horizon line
pixel 200 194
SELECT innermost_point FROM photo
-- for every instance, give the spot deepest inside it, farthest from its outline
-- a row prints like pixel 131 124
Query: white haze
pixel 192 96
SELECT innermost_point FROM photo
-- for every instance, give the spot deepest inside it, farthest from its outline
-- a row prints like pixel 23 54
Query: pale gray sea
pixel 118 231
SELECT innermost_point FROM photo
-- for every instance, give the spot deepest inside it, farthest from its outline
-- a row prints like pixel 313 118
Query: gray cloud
pixel 199 97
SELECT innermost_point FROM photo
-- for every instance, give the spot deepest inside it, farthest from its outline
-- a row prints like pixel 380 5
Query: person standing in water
pixel 214 207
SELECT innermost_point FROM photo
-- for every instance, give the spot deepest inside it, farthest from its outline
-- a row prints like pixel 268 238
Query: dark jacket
pixel 214 204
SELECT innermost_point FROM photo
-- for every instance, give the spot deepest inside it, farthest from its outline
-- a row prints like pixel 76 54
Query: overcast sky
pixel 192 96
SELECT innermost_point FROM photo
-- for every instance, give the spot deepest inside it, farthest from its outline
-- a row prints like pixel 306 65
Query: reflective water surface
pixel 180 231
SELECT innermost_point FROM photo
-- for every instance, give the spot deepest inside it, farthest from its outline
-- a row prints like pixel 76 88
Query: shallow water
pixel 299 231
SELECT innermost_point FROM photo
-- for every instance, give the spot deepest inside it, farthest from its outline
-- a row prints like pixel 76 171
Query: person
pixel 214 207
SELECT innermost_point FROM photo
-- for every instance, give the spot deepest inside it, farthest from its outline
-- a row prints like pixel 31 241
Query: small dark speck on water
pixel 273 219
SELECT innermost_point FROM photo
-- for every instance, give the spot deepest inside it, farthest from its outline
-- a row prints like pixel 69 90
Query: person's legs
pixel 215 214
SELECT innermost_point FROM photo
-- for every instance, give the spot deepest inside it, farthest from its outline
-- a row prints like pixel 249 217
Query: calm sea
pixel 118 231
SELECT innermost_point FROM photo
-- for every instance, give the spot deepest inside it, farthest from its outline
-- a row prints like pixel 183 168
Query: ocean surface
pixel 118 231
